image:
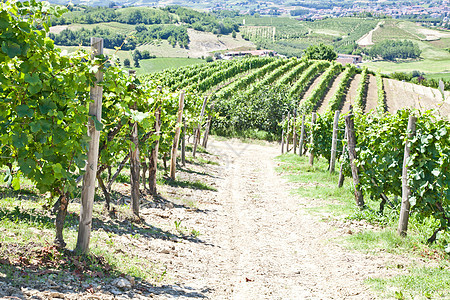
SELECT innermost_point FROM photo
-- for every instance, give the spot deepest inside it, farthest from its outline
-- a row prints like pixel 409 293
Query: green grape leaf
pixel 57 168
pixel 19 140
pixel 33 79
pixel 24 110
pixel 35 126
pixel 11 49
pixel 16 183
pixel 97 123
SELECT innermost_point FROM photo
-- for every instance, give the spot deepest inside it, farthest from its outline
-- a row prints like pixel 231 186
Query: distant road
pixel 366 40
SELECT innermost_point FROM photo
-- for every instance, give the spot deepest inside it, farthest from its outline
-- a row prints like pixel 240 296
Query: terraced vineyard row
pixel 312 85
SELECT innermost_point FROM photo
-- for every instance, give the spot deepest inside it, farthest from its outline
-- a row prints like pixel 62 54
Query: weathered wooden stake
pixel 134 169
pixel 341 171
pixel 197 132
pixel 288 131
pixel 282 137
pixel 352 155
pixel 294 138
pixel 406 189
pixel 153 163
pixel 134 163
pixel 88 189
pixel 206 135
pixel 334 142
pixel 173 160
pixel 183 144
pixel 302 137
pixel 311 152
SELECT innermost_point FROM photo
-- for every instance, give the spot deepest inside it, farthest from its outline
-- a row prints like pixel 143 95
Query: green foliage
pixel 361 92
pixel 261 110
pixel 321 52
pixel 44 108
pixel 394 49
pixel 233 69
pixel 151 16
pixel 300 85
pixel 46 98
pixel 310 103
pixel 381 94
pixel 341 90
pixel 268 64
pixel 174 34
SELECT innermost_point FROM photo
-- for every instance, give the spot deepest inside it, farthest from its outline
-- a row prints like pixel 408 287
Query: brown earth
pixel 351 93
pixel 324 105
pixel 312 86
pixel 256 241
pixel 407 95
pixel 372 94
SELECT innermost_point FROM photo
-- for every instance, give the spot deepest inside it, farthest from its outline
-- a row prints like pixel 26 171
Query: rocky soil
pixel 247 239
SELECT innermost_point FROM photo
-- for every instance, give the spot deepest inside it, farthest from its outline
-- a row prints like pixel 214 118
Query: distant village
pixel 431 9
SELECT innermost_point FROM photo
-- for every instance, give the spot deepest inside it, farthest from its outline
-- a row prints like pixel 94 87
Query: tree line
pixel 394 49
pixel 144 34
pixel 217 23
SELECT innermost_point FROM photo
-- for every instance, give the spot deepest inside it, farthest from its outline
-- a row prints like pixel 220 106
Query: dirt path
pixel 254 240
pixel 366 40
pixel 372 94
pixel 351 93
pixel 323 106
pixel 257 242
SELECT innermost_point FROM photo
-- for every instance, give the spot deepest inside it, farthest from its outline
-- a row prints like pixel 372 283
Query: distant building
pixel 231 54
pixel 349 59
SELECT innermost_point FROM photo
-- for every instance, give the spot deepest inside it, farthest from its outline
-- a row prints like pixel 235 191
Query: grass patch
pixel 28 254
pixel 162 63
pixel 196 185
pixel 248 136
pixel 317 184
pixel 325 198
pixel 206 161
pixel 420 283
pixel 200 149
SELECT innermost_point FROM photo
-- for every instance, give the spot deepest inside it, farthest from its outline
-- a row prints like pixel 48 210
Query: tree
pixel 145 54
pixel 321 51
pixel 126 63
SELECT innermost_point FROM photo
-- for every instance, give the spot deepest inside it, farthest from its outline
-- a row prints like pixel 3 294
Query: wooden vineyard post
pixel 153 163
pixel 205 136
pixel 302 136
pixel 197 132
pixel 294 135
pixel 88 189
pixel 134 164
pixel 341 171
pixel 173 160
pixel 334 142
pixel 134 169
pixel 208 127
pixel 311 152
pixel 406 189
pixel 288 131
pixel 183 144
pixel 351 137
pixel 282 137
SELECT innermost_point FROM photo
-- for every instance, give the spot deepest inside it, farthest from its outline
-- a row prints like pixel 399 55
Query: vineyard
pixel 96 158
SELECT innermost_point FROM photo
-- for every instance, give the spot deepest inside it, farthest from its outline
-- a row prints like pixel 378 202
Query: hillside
pixel 433 43
pixel 303 85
